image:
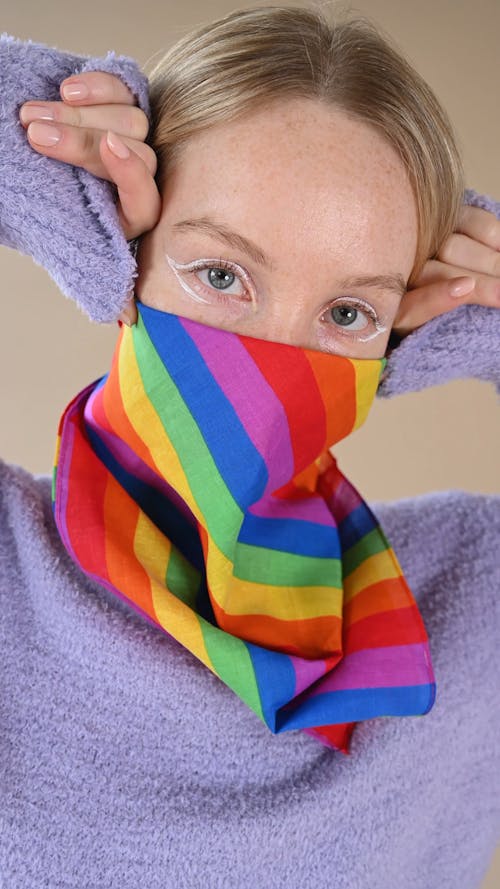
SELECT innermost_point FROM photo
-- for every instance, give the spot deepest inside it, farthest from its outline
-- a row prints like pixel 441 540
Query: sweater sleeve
pixel 464 342
pixel 65 218
pixel 62 216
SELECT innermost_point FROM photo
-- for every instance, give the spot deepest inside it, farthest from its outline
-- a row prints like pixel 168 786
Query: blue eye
pixel 351 316
pixel 344 315
pixel 220 278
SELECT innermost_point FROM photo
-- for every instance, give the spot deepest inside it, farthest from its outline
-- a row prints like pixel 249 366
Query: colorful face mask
pixel 194 480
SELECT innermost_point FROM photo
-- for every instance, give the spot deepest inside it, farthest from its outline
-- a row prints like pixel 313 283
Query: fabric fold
pixel 195 480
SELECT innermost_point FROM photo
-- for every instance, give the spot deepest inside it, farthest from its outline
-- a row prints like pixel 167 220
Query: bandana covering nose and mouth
pixel 194 481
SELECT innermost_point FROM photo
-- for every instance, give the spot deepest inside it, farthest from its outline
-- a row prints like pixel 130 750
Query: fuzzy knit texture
pixel 125 762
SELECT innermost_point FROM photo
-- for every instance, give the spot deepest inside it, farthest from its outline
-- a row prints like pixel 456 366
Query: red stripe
pixel 87 479
pixel 291 378
pixel 337 736
pixel 402 626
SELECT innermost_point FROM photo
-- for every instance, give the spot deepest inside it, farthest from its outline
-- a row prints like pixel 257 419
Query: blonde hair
pixel 229 67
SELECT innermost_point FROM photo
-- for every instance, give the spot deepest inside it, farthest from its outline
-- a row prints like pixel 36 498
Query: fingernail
pixel 116 146
pixel 35 112
pixel 462 286
pixel 44 134
pixel 75 90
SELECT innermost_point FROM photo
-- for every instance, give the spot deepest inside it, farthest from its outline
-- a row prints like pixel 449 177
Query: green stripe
pixel 182 579
pixel 369 545
pixel 218 507
pixel 232 662
pixel 275 568
pixel 53 491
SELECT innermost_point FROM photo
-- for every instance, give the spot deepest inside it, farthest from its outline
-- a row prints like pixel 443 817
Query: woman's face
pixel 274 225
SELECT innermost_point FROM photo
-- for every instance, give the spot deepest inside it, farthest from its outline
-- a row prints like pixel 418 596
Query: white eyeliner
pixel 379 329
pixel 176 267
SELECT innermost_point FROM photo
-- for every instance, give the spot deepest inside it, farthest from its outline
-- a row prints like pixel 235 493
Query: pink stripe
pixel 378 668
pixel 311 509
pixel 266 427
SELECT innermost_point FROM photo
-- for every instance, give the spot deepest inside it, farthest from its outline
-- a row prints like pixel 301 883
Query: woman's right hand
pixel 88 127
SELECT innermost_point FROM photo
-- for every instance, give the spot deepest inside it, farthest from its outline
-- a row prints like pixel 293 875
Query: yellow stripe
pixel 149 427
pixel 366 386
pixel 239 597
pixel 153 552
pixel 381 566
pixel 57 449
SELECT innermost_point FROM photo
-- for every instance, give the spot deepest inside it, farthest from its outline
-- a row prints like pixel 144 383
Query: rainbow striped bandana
pixel 194 481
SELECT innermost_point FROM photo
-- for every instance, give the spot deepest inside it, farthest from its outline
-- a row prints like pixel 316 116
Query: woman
pixel 148 749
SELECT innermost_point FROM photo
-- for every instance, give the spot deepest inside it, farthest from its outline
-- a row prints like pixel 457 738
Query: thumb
pixel 424 303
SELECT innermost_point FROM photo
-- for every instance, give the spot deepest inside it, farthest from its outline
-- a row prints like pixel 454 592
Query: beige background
pixel 443 438
pixel 439 439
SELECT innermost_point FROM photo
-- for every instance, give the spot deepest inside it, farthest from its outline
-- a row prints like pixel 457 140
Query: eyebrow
pixel 392 281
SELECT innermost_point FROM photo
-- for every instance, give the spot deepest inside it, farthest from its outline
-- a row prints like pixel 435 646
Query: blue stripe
pixel 290 535
pixel 275 677
pixel 213 413
pixel 356 525
pixel 154 504
pixel 353 705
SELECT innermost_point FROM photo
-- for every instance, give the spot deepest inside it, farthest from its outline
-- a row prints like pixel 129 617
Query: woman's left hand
pixel 471 253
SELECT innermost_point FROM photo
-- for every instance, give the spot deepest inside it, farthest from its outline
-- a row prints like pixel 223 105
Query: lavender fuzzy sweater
pixel 125 762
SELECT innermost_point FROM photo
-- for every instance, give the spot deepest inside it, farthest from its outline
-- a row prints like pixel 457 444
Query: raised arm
pixel 464 342
pixel 67 220
pixel 75 224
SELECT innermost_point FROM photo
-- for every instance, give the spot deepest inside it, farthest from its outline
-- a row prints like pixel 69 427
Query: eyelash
pixel 243 277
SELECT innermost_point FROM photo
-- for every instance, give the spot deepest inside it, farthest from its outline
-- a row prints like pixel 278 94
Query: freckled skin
pixel 322 194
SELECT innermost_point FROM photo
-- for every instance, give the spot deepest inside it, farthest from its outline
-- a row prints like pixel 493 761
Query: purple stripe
pixel 306 672
pixel 133 464
pixel 388 666
pixel 310 509
pixel 344 500
pixel 266 427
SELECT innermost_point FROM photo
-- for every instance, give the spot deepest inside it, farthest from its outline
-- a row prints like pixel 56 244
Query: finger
pixel 421 305
pixel 80 146
pixel 96 87
pixel 467 252
pixel 487 287
pixel 129 313
pixel 139 206
pixel 123 119
pixel 434 298
pixel 481 225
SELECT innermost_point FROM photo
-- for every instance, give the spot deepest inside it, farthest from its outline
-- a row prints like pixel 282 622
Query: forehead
pixel 303 175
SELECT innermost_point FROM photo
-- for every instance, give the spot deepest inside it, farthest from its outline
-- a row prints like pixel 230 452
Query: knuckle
pixel 447 251
pixel 87 141
pixel 141 123
pixel 73 116
pixel 134 122
pixel 115 88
